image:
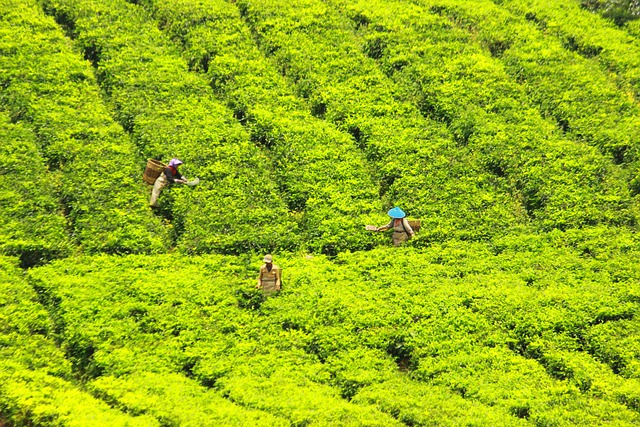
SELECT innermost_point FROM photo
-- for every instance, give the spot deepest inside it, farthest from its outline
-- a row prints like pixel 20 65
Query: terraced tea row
pixel 419 163
pixel 516 305
pixel 52 93
pixel 31 222
pixel 514 163
pixel 539 178
pixel 170 112
pixel 36 381
pixel 562 184
pixel 512 332
pixel 588 35
pixel 566 87
pixel 138 356
pixel 320 171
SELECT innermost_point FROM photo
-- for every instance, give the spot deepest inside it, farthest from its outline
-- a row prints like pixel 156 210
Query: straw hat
pixel 396 213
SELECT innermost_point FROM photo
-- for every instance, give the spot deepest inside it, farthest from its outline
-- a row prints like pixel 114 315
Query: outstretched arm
pixel 386 226
pixel 180 179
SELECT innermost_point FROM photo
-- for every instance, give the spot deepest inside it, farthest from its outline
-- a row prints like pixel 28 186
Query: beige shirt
pixel 269 277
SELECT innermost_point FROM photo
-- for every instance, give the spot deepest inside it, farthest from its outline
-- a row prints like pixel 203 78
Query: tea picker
pixel 402 229
pixel 269 279
pixel 162 175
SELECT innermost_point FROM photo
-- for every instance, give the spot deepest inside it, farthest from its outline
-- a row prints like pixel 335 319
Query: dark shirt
pixel 168 172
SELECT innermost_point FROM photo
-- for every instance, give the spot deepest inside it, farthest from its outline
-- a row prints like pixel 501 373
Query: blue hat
pixel 396 213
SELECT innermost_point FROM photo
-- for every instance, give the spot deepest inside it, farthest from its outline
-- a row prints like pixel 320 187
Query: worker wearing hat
pixel 269 277
pixel 402 231
pixel 169 176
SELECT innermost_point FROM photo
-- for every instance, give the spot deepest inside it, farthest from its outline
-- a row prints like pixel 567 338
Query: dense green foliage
pixel 421 165
pixel 561 184
pixel 509 331
pixel 619 11
pixel 587 35
pixel 35 387
pixel 567 87
pixel 169 112
pixel 510 128
pixel 320 172
pixel 30 222
pixel 49 89
pixel 633 28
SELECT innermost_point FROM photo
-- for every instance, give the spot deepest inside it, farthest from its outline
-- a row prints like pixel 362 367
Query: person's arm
pixel 278 273
pixel 386 226
pixel 259 285
pixel 180 179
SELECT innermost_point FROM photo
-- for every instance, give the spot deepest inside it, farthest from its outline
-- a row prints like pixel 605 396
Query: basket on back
pixel 152 171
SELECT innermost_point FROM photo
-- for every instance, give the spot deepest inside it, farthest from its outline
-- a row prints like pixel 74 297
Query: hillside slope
pixel 536 332
pixel 510 128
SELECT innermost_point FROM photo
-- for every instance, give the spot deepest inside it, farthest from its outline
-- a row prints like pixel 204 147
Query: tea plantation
pixel 510 128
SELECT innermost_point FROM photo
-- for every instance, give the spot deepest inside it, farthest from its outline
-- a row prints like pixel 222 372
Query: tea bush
pixel 633 28
pixel 561 184
pixel 588 35
pixel 173 399
pixel 510 329
pixel 619 11
pixel 566 87
pixel 419 164
pixel 319 171
pixel 36 381
pixel 49 89
pixel 122 356
pixel 170 112
pixel 517 303
pixel 31 224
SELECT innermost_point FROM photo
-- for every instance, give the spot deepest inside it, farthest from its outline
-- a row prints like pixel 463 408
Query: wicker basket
pixel 153 170
pixel 414 223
